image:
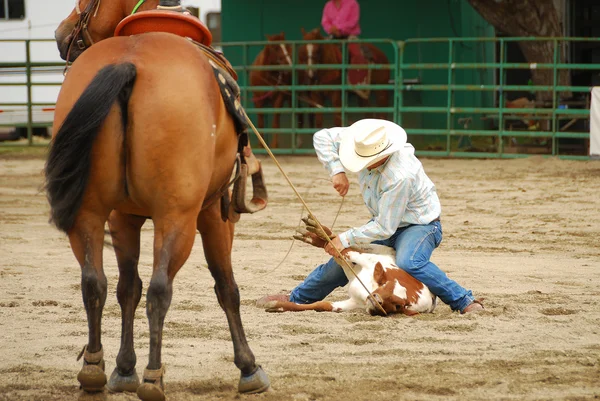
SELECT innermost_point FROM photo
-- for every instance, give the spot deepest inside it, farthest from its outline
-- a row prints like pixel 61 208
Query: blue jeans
pixel 414 245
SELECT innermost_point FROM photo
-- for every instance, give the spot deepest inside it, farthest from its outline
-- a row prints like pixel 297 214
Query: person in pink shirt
pixel 341 20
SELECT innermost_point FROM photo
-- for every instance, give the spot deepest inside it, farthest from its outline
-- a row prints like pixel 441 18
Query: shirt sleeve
pixel 349 18
pixel 327 146
pixel 326 19
pixel 391 205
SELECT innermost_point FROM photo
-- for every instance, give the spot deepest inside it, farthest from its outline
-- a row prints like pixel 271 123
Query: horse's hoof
pixel 119 383
pixel 152 389
pixel 256 382
pixel 92 378
pixel 150 392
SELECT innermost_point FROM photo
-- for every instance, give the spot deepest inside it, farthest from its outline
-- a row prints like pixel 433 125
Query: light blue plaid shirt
pixel 397 193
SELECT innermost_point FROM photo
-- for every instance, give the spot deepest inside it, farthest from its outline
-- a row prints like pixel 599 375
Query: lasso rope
pixel 298 226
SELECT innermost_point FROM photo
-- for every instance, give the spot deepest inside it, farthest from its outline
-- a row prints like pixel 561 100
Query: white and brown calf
pixel 394 289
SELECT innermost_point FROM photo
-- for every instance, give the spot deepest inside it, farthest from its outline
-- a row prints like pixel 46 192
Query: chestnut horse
pixel 331 53
pixel 141 132
pixel 320 53
pixel 272 55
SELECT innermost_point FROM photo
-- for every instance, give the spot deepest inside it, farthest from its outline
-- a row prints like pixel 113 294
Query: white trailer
pixel 35 21
pixel 29 20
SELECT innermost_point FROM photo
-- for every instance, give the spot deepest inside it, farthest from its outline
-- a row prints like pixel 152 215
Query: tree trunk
pixel 529 18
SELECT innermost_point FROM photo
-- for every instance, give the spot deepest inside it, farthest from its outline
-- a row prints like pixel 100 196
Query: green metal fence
pixel 558 121
pixel 450 94
pixel 297 137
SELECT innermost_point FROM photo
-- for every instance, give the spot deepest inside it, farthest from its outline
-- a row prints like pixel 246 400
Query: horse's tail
pixel 69 159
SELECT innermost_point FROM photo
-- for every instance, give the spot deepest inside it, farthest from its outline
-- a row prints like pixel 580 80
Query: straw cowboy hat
pixel 368 141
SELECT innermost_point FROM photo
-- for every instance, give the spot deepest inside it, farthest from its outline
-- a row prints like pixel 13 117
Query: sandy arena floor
pixel 524 234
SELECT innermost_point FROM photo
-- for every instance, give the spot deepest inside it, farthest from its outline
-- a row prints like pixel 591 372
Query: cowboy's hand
pixel 334 30
pixel 329 248
pixel 340 183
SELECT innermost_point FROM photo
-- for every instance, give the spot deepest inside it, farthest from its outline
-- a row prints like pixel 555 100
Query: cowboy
pixel 403 203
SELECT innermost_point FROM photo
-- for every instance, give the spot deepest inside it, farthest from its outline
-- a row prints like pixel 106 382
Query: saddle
pixel 195 31
pixel 361 55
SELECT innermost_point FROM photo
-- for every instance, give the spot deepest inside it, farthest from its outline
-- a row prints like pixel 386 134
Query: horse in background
pixel 141 131
pixel 272 55
pixel 332 54
pixel 320 53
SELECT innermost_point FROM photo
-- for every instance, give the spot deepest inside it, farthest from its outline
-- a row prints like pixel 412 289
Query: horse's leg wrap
pixel 91 376
pixel 153 387
pixel 259 192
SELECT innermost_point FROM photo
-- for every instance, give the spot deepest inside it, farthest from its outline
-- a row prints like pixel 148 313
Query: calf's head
pixel 384 295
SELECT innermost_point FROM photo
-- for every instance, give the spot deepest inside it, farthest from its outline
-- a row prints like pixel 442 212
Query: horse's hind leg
pixel 382 100
pixel 277 104
pixel 217 238
pixel 173 240
pixel 87 240
pixel 318 101
pixel 336 101
pixel 125 232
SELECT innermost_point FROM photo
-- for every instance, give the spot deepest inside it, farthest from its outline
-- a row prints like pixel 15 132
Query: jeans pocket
pixel 437 235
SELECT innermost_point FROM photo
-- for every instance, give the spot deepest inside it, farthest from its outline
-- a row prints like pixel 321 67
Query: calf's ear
pixel 379 274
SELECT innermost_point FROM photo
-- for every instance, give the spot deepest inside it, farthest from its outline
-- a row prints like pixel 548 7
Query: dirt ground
pixel 524 234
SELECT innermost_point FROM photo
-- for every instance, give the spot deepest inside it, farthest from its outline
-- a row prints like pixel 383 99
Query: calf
pixel 394 289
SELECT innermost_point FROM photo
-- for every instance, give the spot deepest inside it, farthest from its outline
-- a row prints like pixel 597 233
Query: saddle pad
pixel 359 55
pixel 230 91
pixel 165 21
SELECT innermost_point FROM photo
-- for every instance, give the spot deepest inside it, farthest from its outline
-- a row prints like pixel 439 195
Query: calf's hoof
pixel 152 389
pixel 119 383
pixel 273 307
pixel 256 382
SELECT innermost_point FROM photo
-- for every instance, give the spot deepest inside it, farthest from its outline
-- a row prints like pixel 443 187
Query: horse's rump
pixel 174 125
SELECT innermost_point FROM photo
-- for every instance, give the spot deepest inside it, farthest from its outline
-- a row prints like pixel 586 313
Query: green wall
pixel 248 20
pixel 252 20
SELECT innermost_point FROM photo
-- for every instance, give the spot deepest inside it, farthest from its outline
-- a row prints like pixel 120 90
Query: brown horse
pixel 141 131
pixel 272 55
pixel 323 53
pixel 320 53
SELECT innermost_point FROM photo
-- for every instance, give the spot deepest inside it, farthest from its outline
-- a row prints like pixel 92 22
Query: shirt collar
pixel 379 169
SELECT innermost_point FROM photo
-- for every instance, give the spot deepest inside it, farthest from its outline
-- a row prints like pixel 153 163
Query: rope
pixel 310 213
pixel 338 213
pixel 298 226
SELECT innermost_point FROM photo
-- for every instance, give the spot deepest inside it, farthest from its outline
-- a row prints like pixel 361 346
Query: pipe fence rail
pixel 457 97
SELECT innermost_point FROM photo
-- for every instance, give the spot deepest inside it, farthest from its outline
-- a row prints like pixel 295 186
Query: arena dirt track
pixel 524 234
